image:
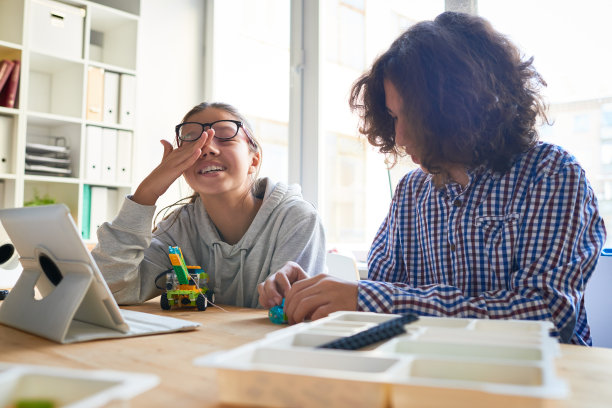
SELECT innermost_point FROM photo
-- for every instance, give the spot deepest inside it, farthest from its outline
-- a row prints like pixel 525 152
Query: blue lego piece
pixel 277 315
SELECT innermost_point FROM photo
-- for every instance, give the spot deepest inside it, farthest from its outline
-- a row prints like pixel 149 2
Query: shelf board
pixel 109 125
pixel 105 184
pixel 10 111
pixel 51 179
pixel 49 119
pixel 110 67
pixel 7 47
pixel 50 62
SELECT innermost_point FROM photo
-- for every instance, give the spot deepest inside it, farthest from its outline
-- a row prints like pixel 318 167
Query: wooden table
pixel 587 370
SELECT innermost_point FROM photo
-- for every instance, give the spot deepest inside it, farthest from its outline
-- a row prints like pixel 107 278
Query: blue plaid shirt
pixel 519 245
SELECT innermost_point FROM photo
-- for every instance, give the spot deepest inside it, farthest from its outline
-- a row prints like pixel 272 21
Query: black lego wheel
pixel 201 302
pixel 210 295
pixel 163 301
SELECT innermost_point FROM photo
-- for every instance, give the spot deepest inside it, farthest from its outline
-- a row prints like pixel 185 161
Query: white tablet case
pixel 76 303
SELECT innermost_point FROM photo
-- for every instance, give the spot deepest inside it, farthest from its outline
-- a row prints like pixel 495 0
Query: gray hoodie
pixel 286 228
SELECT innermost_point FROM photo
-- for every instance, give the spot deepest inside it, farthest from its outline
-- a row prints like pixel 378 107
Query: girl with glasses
pixel 495 224
pixel 239 228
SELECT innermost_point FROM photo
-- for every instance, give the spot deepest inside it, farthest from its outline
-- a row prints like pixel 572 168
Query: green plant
pixel 38 200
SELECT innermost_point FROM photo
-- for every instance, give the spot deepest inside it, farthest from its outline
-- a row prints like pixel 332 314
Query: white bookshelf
pixel 52 95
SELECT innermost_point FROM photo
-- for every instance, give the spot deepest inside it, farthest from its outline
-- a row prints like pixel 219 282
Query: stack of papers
pixel 48 159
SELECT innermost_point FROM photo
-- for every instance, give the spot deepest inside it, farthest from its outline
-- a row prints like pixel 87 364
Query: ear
pixel 255 162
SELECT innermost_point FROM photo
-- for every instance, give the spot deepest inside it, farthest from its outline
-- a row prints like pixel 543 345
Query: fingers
pixel 167 148
pixel 276 286
pixel 208 137
pixel 272 290
pixel 294 272
pixel 316 297
pixel 302 300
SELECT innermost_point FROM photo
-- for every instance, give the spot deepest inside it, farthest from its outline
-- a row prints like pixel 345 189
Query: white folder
pixel 111 98
pixel 97 209
pixel 6 136
pixel 109 155
pixel 104 205
pixel 76 303
pixel 127 98
pixel 124 157
pixel 93 153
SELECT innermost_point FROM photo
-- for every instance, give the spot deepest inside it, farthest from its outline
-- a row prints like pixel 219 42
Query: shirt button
pixel 453 247
pixel 457 203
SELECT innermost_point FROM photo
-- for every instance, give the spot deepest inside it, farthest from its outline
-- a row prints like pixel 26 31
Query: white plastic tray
pixel 70 388
pixel 438 362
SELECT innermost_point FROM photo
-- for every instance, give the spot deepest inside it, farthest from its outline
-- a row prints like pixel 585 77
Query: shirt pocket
pixel 497 236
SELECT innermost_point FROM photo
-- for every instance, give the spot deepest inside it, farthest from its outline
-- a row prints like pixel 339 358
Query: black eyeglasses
pixel 225 129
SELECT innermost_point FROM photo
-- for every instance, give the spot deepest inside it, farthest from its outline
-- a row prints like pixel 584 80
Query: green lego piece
pixel 178 263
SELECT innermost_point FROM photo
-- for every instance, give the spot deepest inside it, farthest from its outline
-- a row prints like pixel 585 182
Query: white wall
pixel 170 67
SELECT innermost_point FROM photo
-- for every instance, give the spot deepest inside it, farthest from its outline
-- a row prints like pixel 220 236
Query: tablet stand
pixel 52 315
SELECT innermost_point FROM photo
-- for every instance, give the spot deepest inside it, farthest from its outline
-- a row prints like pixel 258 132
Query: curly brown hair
pixel 466 91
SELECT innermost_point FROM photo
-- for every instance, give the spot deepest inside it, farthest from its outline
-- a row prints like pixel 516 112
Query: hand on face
pixel 174 162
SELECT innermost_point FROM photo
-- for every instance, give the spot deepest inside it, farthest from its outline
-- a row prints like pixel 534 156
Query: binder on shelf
pixel 6 137
pixel 95 93
pixel 103 207
pixel 124 157
pixel 111 98
pixel 109 154
pixel 93 153
pixel 86 221
pixel 6 66
pixel 8 95
pixel 127 98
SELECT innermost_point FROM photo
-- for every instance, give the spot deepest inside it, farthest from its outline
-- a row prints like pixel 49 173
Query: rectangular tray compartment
pixel 433 382
pixel 464 350
pixel 70 388
pixel 479 373
pixel 324 362
pixel 61 391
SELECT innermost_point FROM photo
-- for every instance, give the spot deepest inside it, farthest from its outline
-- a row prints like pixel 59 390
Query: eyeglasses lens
pixel 190 131
pixel 225 130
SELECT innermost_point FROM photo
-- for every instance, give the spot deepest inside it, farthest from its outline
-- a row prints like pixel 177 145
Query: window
pixel 572 60
pixel 357 185
pixel 250 68
pixel 249 64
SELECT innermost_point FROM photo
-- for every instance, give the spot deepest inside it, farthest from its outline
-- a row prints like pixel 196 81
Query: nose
pixel 210 148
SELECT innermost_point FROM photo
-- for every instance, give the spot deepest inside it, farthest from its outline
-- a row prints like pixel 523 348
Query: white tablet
pixel 76 303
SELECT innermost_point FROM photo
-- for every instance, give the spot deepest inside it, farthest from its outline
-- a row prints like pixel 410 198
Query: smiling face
pixel 404 133
pixel 225 166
